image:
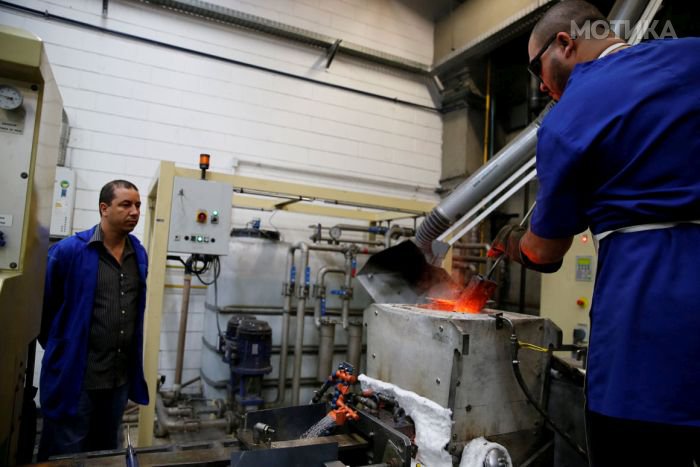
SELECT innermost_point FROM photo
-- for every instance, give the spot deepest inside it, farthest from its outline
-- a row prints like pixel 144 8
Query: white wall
pixel 132 104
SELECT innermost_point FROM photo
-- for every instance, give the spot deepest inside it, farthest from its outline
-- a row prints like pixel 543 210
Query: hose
pixel 515 346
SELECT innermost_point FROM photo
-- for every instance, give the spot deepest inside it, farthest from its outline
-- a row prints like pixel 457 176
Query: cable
pixel 515 346
pixel 208 262
pixel 537 348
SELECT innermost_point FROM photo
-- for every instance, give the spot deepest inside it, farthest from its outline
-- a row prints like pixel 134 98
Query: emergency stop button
pixel 582 302
pixel 202 217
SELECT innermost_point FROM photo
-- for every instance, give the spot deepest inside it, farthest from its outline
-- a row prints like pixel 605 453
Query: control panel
pixel 566 295
pixel 18 109
pixel 200 217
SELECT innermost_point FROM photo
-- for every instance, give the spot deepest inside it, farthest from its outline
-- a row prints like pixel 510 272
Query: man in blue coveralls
pixel 92 329
pixel 620 154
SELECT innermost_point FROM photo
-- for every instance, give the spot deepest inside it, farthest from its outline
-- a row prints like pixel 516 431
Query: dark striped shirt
pixel 114 318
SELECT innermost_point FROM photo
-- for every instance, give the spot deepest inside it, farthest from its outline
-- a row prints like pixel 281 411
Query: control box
pixel 200 217
pixel 566 295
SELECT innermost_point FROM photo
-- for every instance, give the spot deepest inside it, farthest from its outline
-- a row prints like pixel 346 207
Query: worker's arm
pixel 53 293
pixel 532 251
pixel 541 250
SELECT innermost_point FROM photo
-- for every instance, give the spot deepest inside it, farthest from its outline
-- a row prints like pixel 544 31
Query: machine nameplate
pixel 12 122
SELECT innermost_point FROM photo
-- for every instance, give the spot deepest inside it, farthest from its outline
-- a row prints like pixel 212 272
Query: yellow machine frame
pixel 250 193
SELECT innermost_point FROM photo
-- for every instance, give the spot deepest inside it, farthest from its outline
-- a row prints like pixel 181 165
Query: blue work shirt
pixel 622 148
pixel 69 295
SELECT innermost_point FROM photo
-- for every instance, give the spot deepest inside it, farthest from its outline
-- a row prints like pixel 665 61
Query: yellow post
pixel 156 238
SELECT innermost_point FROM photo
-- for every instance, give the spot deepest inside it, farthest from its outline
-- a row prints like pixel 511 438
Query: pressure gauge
pixel 10 97
pixel 335 232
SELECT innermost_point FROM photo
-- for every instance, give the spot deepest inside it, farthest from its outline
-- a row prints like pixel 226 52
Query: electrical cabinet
pixel 566 295
pixel 200 217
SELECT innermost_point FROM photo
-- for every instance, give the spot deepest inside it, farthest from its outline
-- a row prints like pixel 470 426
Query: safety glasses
pixel 535 65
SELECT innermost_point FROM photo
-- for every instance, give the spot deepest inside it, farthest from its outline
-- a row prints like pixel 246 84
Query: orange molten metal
pixel 472 299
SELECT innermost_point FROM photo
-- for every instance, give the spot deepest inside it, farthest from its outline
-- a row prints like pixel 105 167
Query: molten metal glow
pixel 440 304
pixel 472 299
pixel 444 304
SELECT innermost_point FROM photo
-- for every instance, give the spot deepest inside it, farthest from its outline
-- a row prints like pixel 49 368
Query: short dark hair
pixel 560 16
pixel 107 191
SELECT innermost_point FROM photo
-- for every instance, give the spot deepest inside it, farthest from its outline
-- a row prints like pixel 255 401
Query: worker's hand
pixel 507 242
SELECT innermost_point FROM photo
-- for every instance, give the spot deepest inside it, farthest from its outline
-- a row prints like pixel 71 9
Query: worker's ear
pixel 102 207
pixel 567 43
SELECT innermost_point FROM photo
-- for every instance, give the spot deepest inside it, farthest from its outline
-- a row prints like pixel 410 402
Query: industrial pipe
pixel 168 424
pixel 302 291
pixel 321 290
pixel 479 185
pixel 326 348
pixel 397 231
pixel 354 354
pixel 629 10
pixel 508 160
pixel 171 396
pixel 347 287
pixel 182 330
pixel 286 309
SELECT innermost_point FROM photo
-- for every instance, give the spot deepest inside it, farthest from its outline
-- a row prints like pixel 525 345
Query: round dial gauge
pixel 335 232
pixel 10 97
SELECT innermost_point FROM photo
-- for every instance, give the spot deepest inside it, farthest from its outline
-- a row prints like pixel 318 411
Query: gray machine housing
pixel 461 361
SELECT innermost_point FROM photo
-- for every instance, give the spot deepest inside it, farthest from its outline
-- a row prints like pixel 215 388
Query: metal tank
pixel 250 285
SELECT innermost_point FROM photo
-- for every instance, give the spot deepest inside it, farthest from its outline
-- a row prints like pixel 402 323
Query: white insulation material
pixel 433 422
pixel 476 450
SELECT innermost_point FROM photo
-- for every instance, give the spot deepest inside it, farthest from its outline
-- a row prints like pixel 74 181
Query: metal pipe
pixel 180 411
pixel 347 287
pixel 355 345
pixel 625 11
pixel 361 228
pixel 308 349
pixel 479 185
pixel 321 290
pixel 396 231
pixel 168 424
pixel 270 311
pixel 182 330
pixel 302 292
pixel 326 349
pixel 286 308
pixel 354 241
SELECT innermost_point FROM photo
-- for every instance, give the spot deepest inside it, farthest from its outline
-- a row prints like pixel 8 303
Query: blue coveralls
pixel 622 148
